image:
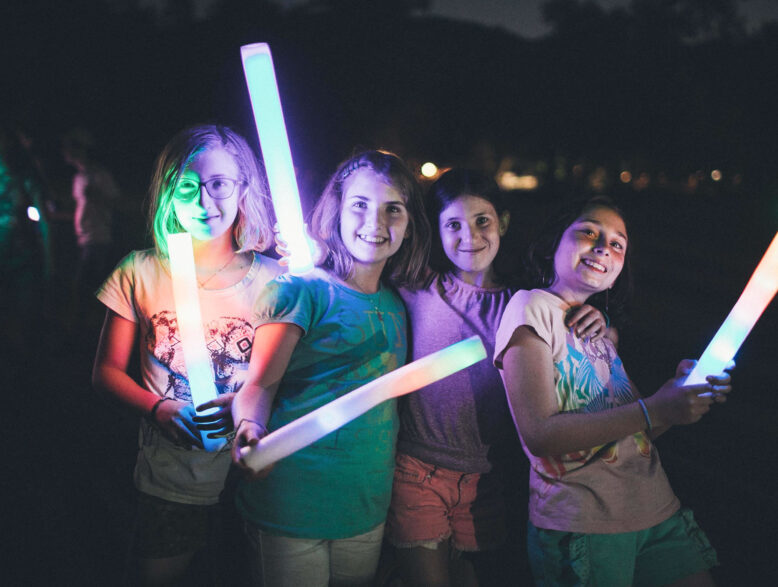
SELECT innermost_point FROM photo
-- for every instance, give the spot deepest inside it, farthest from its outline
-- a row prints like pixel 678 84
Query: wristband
pixel 263 428
pixel 645 414
pixel 153 411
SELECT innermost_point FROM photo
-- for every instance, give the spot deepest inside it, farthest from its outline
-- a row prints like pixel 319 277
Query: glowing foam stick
pixel 326 419
pixel 190 327
pixel 758 292
pixel 269 118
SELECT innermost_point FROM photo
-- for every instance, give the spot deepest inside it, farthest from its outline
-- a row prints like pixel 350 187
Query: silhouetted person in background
pixel 96 195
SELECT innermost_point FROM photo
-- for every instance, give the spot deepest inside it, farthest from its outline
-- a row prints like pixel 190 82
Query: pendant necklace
pixel 215 273
pixel 378 312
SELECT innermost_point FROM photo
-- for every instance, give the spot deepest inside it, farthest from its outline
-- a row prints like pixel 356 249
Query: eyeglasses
pixel 219 188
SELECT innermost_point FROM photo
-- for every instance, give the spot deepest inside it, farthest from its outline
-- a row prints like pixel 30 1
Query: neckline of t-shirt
pixel 360 294
pixel 244 282
pixel 563 303
pixel 469 286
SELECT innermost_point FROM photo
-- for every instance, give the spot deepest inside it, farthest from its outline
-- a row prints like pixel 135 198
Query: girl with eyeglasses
pixel 207 183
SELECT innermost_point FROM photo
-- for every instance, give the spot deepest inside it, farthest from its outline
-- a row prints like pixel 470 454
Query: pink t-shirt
pixel 616 487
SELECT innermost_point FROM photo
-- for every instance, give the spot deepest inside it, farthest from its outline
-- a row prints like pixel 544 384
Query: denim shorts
pixel 431 504
pixel 281 561
pixel 660 555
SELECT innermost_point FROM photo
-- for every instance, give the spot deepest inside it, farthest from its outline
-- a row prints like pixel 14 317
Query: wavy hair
pixel 253 229
pixel 407 266
pixel 540 265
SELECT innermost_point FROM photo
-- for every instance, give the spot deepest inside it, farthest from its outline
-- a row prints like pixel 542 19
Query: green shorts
pixel 669 551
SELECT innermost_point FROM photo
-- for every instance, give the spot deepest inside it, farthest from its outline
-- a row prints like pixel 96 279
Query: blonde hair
pixel 407 267
pixel 253 228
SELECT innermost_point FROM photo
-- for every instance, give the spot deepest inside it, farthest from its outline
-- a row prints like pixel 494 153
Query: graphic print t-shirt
pixel 140 290
pixel 616 487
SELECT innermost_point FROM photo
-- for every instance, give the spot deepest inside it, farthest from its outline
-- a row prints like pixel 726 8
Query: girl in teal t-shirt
pixel 317 516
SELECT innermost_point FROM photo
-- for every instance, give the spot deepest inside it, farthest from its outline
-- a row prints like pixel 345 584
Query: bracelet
pixel 645 414
pixel 263 428
pixel 153 411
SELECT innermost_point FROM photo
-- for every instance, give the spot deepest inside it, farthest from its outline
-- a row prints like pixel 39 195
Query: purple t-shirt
pixel 454 423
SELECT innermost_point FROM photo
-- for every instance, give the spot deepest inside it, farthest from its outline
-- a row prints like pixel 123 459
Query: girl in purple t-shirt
pixel 447 497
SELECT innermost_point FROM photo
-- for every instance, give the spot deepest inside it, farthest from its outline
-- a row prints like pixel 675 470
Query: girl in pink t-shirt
pixel 601 509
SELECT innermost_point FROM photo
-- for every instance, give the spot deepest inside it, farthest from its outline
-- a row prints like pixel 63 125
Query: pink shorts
pixel 431 504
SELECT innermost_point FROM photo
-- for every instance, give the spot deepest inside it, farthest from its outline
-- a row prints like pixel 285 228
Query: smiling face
pixel 203 216
pixel 590 254
pixel 470 232
pixel 373 219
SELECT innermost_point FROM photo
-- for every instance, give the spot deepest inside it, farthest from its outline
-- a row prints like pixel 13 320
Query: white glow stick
pixel 199 369
pixel 724 345
pixel 317 424
pixel 269 118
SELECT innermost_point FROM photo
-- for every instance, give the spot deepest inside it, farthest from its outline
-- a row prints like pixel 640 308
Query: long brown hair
pixel 406 267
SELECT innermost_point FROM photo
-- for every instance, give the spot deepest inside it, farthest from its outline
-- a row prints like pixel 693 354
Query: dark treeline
pixel 675 85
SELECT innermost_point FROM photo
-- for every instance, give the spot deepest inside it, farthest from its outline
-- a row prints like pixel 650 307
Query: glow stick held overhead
pixel 320 422
pixel 761 288
pixel 190 327
pixel 269 118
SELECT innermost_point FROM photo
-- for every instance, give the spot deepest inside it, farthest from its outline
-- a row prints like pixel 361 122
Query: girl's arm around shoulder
pixel 273 346
pixel 529 382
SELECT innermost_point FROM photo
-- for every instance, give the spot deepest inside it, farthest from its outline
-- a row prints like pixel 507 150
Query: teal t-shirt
pixel 341 485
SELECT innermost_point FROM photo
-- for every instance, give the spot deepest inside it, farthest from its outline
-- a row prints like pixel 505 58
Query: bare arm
pixel 529 380
pixel 109 375
pixel 270 356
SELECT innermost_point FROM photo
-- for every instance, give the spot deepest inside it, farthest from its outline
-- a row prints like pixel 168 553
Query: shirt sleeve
pixel 526 308
pixel 286 300
pixel 118 291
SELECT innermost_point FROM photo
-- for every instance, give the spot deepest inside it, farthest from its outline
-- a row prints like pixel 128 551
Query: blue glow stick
pixel 269 119
pixel 752 302
pixel 320 422
pixel 197 359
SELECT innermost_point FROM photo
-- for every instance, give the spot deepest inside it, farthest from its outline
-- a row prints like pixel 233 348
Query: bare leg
pixel 701 579
pixel 171 571
pixel 424 567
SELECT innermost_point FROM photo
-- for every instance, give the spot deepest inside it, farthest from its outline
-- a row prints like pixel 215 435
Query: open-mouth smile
pixel 594 265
